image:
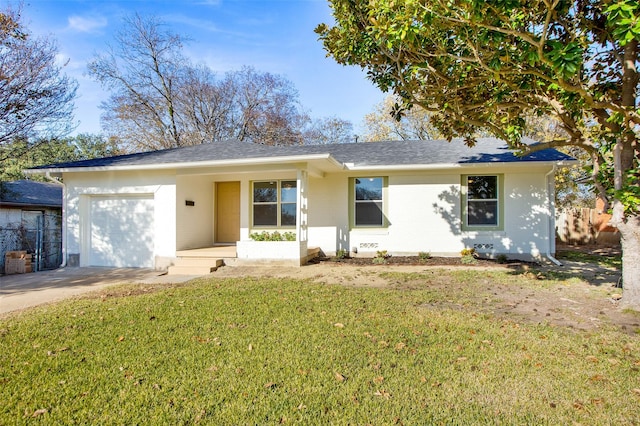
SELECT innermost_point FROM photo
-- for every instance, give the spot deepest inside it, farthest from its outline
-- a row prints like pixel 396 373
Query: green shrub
pixel 468 260
pixel 342 254
pixel 424 256
pixel 502 258
pixel 381 257
pixel 273 236
pixel 468 256
pixel 468 252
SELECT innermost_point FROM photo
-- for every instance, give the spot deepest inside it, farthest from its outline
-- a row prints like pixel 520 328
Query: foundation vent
pixel 483 247
pixel 368 246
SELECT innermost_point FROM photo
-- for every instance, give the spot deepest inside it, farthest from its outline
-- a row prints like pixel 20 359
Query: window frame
pixel 499 225
pixel 278 203
pixel 353 202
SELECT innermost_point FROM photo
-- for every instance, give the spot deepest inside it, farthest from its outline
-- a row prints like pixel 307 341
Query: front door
pixel 227 212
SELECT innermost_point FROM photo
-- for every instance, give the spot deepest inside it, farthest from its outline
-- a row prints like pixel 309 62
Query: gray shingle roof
pixel 30 193
pixel 487 150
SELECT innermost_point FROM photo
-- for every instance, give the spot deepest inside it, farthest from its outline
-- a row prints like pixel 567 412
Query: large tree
pixel 266 108
pixel 329 130
pixel 490 65
pixel 381 124
pixel 159 99
pixel 22 154
pixel 36 97
pixel 143 70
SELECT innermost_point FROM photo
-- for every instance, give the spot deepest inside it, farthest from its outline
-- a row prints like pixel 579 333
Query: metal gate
pixel 39 232
pixel 42 237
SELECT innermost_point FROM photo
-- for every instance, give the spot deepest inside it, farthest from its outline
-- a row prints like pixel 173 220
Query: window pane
pixel 265 214
pixel 482 213
pixel 369 189
pixel 369 213
pixel 265 192
pixel 288 214
pixel 482 187
pixel 288 191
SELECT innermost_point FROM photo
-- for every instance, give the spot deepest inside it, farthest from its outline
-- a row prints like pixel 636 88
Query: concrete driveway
pixel 26 290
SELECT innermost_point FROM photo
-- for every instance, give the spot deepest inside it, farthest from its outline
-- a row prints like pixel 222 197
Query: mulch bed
pixel 457 261
pixel 412 260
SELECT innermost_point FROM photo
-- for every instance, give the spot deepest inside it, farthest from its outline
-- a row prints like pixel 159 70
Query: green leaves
pixel 624 17
pixel 485 66
pixel 565 57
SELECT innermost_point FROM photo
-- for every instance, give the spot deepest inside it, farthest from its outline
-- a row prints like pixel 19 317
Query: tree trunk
pixel 625 160
pixel 630 239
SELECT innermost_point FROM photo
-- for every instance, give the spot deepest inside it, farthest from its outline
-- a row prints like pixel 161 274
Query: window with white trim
pixel 369 204
pixel 483 197
pixel 275 203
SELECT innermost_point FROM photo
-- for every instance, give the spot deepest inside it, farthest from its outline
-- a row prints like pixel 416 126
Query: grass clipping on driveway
pixel 267 351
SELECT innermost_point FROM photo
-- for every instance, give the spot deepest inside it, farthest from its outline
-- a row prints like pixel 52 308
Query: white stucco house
pixel 150 209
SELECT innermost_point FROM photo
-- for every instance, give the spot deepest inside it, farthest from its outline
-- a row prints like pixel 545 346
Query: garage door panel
pixel 122 231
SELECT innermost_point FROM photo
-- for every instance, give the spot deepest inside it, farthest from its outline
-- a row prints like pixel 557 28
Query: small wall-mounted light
pixel 189 203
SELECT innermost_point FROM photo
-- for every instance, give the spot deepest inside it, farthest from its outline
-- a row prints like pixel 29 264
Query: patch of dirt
pixel 581 296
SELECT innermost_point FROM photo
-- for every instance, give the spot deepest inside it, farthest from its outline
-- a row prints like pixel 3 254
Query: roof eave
pixel 293 159
pixel 446 166
pixel 30 205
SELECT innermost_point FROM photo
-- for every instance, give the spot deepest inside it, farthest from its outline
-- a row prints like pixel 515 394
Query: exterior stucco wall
pixel 527 216
pixel 423 210
pixel 82 186
pixel 194 225
pixel 329 213
pixel 424 213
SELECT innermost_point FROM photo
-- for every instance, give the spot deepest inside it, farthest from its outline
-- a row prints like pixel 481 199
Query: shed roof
pixel 29 193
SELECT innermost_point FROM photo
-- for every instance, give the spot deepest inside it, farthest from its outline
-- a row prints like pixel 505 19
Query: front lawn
pixel 271 351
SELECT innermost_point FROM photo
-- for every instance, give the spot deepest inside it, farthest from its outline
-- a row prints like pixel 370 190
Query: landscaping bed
pixel 412 260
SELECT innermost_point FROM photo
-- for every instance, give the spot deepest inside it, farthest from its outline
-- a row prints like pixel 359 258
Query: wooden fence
pixel 585 226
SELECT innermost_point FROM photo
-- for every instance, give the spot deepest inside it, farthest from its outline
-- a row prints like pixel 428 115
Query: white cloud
pixel 210 2
pixel 86 24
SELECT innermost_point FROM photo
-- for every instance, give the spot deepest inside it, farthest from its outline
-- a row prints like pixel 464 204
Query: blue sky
pixel 275 36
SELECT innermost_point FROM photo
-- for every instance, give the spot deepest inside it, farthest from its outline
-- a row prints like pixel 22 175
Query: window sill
pixel 382 230
pixel 481 229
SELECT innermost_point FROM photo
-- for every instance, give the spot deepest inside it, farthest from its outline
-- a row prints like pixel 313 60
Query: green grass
pixel 607 261
pixel 276 351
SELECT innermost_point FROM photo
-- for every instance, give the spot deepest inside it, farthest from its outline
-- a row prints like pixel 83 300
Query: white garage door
pixel 122 231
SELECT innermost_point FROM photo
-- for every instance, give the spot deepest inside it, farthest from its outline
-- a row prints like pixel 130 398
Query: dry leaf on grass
pixel 339 377
pixel 39 412
pixel 383 393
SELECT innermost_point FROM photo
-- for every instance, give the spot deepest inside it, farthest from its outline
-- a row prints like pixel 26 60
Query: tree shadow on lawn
pixel 581 294
pixel 597 266
pixel 585 296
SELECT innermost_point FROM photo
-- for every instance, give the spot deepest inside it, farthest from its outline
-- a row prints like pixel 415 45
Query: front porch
pixel 202 261
pixel 218 211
